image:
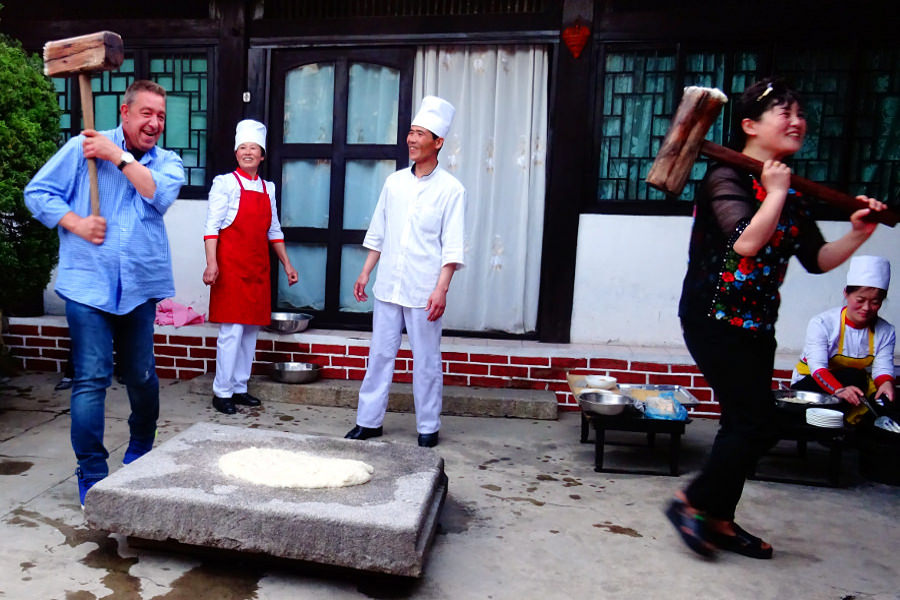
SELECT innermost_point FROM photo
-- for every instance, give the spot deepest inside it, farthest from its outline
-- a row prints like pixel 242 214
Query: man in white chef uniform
pixel 416 235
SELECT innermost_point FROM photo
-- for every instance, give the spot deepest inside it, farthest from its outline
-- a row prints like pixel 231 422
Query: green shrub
pixel 29 135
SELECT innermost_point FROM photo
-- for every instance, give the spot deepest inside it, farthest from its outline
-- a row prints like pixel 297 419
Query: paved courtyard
pixel 526 517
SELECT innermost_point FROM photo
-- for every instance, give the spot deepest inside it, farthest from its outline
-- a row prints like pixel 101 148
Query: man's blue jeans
pixel 93 332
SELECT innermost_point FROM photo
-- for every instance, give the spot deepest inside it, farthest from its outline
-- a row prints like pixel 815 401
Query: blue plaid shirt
pixel 133 264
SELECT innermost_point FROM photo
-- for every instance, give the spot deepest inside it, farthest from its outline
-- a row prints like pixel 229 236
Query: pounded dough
pixel 282 468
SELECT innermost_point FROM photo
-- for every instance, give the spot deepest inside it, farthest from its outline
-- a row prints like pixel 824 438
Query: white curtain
pixel 497 148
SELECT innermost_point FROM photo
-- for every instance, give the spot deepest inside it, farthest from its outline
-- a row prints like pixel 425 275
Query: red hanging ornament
pixel 575 38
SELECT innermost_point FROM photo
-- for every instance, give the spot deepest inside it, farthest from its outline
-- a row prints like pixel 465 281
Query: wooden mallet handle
pixel 835 198
pixel 87 113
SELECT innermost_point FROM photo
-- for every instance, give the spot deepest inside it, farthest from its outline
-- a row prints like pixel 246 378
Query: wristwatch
pixel 127 159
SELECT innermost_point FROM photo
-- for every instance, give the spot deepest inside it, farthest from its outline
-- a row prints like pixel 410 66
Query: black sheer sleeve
pixel 730 198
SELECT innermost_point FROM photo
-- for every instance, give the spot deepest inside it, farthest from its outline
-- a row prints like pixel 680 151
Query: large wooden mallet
pixel 83 55
pixel 684 142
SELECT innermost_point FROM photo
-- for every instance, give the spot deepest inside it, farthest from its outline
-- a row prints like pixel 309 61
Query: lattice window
pixel 639 98
pixel 637 104
pixel 184 78
pixel 875 146
pixel 853 114
pixel 824 82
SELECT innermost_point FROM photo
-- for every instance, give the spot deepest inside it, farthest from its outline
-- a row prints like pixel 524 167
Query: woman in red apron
pixel 241 223
pixel 849 350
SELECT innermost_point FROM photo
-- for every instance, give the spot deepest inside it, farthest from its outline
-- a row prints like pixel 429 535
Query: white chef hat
pixel 869 271
pixel 249 130
pixel 435 114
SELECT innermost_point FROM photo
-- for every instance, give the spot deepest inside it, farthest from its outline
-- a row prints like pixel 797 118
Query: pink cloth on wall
pixel 169 312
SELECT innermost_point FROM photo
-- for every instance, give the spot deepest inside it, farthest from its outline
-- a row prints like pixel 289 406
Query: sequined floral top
pixel 740 290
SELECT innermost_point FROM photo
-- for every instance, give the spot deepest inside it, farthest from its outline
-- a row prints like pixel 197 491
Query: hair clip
pixel 765 93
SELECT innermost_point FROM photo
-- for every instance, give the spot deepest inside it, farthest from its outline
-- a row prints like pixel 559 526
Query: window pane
pixel 306 186
pixel 372 105
pixel 875 149
pixel 309 291
pixel 362 186
pixel 308 104
pixel 637 106
pixel 184 77
pixel 352 259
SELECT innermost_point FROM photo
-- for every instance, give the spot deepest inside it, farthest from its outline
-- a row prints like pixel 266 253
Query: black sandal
pixel 691 527
pixel 742 543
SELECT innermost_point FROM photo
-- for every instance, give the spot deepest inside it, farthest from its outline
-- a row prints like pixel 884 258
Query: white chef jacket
pixel 418 227
pixel 225 198
pixel 823 333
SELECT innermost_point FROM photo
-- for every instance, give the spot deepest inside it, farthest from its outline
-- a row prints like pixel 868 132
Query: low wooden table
pixel 635 423
pixel 792 427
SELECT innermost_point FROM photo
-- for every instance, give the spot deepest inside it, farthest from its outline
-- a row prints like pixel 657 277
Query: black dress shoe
pixel 363 433
pixel 246 399
pixel 224 405
pixel 428 440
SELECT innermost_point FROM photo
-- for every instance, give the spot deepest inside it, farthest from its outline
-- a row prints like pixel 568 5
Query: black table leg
pixel 835 454
pixel 584 428
pixel 674 449
pixel 599 440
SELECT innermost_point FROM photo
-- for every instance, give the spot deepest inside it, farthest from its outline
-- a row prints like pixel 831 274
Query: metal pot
pixel 798 400
pixel 604 402
pixel 295 372
pixel 285 322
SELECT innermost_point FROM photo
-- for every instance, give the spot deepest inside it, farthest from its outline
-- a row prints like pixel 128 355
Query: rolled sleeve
pixel 168 175
pixel 217 207
pixel 453 231
pixel 818 345
pixel 47 194
pixel 374 239
pixel 883 365
pixel 275 233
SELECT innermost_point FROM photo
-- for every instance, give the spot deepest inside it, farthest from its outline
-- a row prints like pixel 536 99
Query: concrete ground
pixel 526 517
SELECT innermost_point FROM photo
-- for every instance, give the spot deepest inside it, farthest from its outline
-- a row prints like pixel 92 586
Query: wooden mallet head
pixel 83 55
pixel 101 51
pixel 680 148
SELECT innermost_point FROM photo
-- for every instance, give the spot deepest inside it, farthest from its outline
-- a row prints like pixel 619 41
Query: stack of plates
pixel 824 417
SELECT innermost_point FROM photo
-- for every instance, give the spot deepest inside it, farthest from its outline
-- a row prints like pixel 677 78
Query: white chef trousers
pixel 235 348
pixel 388 321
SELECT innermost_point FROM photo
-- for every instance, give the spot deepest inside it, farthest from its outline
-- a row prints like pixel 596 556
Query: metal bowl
pixel 295 372
pixel 604 402
pixel 285 322
pixel 799 400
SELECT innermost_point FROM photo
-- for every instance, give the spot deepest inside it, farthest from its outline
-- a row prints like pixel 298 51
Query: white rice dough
pixel 282 468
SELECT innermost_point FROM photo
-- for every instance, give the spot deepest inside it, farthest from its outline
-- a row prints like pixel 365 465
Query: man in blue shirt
pixel 113 267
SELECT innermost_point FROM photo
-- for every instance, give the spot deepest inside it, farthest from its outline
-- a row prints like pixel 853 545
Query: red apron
pixel 242 292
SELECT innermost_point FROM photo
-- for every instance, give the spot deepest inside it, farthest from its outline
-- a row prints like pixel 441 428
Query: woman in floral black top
pixel 745 232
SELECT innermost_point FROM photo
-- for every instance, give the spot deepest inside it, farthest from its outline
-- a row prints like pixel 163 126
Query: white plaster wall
pixel 184 224
pixel 628 280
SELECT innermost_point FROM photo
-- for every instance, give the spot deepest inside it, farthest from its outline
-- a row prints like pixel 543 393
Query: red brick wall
pixel 178 356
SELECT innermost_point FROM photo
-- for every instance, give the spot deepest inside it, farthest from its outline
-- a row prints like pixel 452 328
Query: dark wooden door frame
pixel 338 152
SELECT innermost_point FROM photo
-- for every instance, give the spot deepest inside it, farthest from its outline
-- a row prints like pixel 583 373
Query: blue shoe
pixel 137 448
pixel 84 484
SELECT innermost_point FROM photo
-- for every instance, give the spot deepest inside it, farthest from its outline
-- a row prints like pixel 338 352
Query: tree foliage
pixel 29 135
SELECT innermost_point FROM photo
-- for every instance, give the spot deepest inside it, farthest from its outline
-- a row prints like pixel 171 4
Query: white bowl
pixel 600 382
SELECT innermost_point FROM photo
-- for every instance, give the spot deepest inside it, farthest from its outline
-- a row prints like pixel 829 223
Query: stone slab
pixel 458 400
pixel 177 493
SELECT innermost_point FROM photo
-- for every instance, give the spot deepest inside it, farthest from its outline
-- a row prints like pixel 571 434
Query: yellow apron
pixel 839 361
